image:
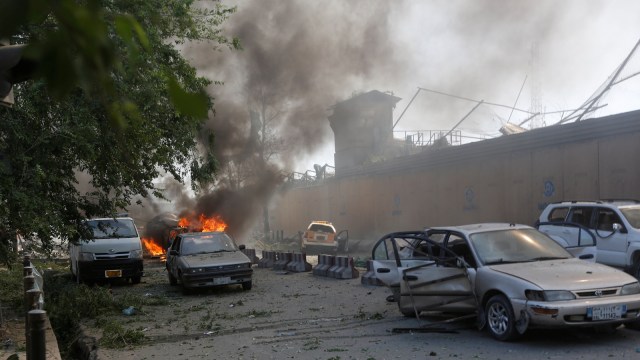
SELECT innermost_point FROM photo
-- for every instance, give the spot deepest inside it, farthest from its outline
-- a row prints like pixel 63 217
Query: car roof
pixel 110 218
pixel 611 202
pixel 481 227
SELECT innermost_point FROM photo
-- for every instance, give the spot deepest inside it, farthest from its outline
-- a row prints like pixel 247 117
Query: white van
pixel 114 252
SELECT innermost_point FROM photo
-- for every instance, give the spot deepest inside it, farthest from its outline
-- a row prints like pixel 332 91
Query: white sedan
pixel 513 276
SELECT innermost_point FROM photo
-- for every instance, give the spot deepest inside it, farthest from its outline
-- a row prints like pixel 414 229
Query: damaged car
pixel 321 237
pixel 513 277
pixel 207 259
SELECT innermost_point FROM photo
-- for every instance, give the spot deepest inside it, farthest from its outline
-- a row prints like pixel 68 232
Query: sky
pixel 541 56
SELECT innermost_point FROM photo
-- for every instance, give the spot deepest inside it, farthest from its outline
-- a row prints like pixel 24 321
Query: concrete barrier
pixel 282 259
pixel 299 263
pixel 369 277
pixel 324 263
pixel 343 269
pixel 350 271
pixel 268 259
pixel 335 268
pixel 251 254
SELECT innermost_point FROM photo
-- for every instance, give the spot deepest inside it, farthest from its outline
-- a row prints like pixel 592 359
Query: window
pixel 558 214
pixel 321 228
pixel 459 246
pixel 632 215
pixel 606 218
pixel 112 228
pixel 582 215
pixel 383 250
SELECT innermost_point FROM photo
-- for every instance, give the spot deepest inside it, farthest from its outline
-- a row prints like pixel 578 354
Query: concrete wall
pixel 510 178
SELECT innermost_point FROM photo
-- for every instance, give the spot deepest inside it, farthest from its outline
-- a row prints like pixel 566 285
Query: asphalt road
pixel 302 316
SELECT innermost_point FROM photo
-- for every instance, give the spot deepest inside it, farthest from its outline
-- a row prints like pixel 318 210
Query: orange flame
pixel 214 223
pixel 184 222
pixel 153 248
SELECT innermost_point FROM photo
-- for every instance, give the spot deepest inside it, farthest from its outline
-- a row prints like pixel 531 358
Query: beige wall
pixel 478 184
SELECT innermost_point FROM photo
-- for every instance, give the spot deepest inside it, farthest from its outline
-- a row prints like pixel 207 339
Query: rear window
pixel 321 228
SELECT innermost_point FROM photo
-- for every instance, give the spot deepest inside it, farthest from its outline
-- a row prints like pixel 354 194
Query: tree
pixel 123 111
pixel 268 144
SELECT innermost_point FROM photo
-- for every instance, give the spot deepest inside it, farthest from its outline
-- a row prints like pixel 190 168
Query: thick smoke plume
pixel 298 59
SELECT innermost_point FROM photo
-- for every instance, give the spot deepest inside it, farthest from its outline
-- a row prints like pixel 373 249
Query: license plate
pixel 221 280
pixel 607 312
pixel 113 273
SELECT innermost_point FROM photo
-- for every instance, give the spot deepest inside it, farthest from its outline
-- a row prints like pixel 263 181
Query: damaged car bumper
pixel 587 312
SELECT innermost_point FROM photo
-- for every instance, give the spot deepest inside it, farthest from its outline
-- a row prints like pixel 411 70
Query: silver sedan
pixel 512 276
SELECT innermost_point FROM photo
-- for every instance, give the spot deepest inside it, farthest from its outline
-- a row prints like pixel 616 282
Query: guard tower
pixel 362 127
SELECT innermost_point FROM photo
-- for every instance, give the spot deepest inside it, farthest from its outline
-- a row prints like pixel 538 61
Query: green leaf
pixel 194 104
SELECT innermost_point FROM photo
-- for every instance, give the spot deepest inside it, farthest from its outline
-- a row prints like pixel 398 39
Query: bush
pixel 11 288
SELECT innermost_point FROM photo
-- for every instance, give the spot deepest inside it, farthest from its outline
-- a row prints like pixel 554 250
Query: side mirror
pixel 617 227
pixel 242 247
pixel 173 252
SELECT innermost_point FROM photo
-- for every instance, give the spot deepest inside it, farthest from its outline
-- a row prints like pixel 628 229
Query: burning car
pixel 163 229
pixel 207 259
pixel 512 277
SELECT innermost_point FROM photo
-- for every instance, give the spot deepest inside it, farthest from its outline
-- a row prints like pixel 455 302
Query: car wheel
pixel 136 280
pixel 172 279
pixel 501 321
pixel 247 285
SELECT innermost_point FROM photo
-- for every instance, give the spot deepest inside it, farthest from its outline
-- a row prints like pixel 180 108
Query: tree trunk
pixel 265 214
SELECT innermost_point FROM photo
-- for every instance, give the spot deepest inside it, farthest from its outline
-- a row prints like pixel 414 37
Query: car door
pixel 443 284
pixel 579 240
pixel 394 252
pixel 172 259
pixel 612 245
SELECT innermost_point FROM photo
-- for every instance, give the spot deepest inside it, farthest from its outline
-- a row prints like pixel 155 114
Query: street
pixel 302 316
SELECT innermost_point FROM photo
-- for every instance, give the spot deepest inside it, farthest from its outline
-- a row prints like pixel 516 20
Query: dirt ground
pixel 302 316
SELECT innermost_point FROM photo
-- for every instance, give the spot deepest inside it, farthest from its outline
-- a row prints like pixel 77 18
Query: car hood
pixel 215 259
pixel 567 274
